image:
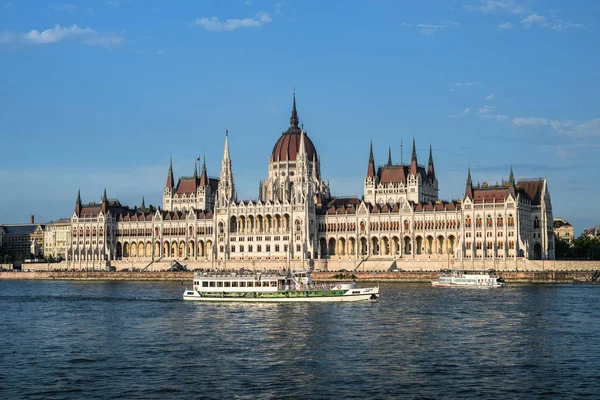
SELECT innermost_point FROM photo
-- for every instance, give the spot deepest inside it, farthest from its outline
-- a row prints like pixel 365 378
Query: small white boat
pixel 262 287
pixel 459 279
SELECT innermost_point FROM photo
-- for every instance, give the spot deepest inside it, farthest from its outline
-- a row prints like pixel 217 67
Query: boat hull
pixel 438 284
pixel 365 294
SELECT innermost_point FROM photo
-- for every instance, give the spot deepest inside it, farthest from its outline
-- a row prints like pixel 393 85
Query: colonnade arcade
pixel 387 246
pixel 258 224
pixel 167 248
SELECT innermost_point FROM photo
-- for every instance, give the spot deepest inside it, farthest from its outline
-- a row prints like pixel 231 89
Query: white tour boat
pixel 272 287
pixel 459 279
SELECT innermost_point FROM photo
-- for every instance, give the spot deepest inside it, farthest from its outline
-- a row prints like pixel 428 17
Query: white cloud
pixel 490 96
pixel 570 128
pixel 491 6
pixel 486 109
pixel 553 23
pixel 505 26
pixel 430 29
pixel 214 24
pixel 464 112
pixel 534 19
pixel 58 33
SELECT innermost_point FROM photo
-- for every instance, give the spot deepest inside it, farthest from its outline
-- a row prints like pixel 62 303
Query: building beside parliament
pixel 294 215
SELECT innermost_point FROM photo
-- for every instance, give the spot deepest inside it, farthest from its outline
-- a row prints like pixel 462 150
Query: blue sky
pixel 100 93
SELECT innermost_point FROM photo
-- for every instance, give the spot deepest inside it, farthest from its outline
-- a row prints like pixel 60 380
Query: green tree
pixel 563 249
pixel 587 248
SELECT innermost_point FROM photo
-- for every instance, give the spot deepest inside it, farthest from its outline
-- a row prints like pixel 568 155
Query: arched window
pixel 536 223
pixel 511 220
pixel 478 222
pixel 489 221
pixel 468 222
pixel 499 221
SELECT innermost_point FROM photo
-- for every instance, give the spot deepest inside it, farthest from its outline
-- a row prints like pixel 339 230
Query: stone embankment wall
pixel 414 276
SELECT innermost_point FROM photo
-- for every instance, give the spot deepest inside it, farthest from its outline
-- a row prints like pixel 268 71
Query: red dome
pixel 288 145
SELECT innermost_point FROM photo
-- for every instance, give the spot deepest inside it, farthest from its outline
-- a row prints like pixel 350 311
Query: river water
pixel 75 340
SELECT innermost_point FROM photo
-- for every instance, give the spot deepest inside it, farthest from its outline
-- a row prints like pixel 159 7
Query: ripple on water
pixel 72 340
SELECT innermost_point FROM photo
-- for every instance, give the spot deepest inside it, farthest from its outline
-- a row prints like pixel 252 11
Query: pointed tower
pixel 196 168
pixel 203 175
pixel 414 167
pixel 371 167
pixel 170 179
pixel 512 186
pixel 104 203
pixel 143 203
pixel 430 169
pixel 469 187
pixel 226 191
pixel 294 120
pixel 78 205
pixel 389 163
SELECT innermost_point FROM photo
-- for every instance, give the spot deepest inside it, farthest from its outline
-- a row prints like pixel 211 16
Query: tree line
pixel 582 248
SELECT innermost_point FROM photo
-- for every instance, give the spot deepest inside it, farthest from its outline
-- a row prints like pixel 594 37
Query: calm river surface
pixel 76 340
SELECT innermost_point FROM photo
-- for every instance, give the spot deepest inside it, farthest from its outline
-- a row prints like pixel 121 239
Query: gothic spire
pixel 196 168
pixel 371 167
pixel 430 169
pixel 469 188
pixel 294 118
pixel 389 156
pixel 104 203
pixel 413 162
pixel 511 178
pixel 170 179
pixel 143 202
pixel 78 205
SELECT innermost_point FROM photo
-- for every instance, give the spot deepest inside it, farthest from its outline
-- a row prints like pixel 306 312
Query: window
pixel 249 248
pixel 250 284
pixel 268 247
pixel 242 284
pixel 489 221
pixel 212 283
pixel 273 283
pixel 478 245
pixel 298 248
pixel 234 284
pixel 500 245
pixel 265 284
pixel 490 245
pixel 219 284
pixel 468 245
pixel 241 248
pixel 233 249
pixel 511 220
pixel 259 248
pixel 511 245
pixel 227 284
pixel 276 247
pixel 478 222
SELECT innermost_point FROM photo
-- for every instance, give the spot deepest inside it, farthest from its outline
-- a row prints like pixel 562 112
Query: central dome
pixel 288 145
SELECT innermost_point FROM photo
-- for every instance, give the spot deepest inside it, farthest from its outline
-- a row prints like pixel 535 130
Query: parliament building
pixel 295 217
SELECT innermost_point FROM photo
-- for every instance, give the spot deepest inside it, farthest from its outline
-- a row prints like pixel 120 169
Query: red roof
pixel 533 190
pixel 288 146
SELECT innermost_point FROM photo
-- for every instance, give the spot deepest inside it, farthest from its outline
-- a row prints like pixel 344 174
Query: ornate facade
pixel 295 216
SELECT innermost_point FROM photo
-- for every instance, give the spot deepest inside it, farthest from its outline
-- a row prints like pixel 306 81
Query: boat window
pixel 273 283
pixel 242 284
pixel 219 284
pixel 204 284
pixel 250 284
pixel 227 284
pixel 234 284
pixel 265 284
pixel 212 284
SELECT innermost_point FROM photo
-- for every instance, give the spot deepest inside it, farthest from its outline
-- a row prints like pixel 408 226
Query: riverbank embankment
pixel 185 276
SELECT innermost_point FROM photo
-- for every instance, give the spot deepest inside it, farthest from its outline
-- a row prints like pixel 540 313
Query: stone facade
pixel 57 238
pixel 294 217
pixel 564 230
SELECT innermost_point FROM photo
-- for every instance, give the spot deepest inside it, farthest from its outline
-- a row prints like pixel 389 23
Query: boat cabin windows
pixel 265 284
pixel 242 284
pixel 227 284
pixel 219 284
pixel 273 283
pixel 211 284
pixel 234 284
pixel 205 284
